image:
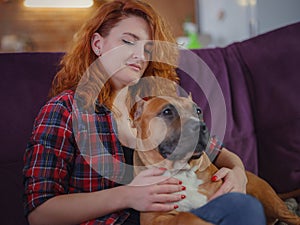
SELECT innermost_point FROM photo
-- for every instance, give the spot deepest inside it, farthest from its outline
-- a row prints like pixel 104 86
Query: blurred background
pixel 195 23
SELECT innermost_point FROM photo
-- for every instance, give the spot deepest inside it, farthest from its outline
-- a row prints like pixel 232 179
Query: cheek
pixel 113 60
pixel 145 66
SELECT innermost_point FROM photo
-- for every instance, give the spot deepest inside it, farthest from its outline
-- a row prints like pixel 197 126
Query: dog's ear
pixel 137 110
pixel 201 163
pixel 138 98
pixel 190 96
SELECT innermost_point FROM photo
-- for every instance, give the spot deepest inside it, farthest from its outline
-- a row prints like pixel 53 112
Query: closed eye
pixel 128 42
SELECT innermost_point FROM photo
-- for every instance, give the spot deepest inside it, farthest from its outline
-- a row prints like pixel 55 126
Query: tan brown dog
pixel 171 133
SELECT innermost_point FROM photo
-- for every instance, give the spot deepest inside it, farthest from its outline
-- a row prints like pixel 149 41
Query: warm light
pixel 246 2
pixel 58 3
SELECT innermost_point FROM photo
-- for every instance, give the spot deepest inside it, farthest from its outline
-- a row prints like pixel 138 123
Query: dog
pixel 166 130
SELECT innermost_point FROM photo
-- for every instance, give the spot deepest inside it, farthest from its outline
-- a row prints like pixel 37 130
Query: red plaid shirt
pixel 54 165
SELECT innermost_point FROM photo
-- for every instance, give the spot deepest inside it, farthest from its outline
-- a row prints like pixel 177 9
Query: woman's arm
pixel 232 171
pixel 147 192
pixel 77 207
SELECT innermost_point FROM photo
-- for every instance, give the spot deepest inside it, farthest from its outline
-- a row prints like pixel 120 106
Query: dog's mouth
pixel 189 146
pixel 197 155
pixel 167 148
pixel 169 154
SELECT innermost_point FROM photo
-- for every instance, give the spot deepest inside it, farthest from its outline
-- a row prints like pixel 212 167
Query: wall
pixel 279 13
pixel 32 29
pixel 227 21
pixel 223 20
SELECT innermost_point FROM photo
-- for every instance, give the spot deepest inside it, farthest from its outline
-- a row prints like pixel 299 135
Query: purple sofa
pixel 259 81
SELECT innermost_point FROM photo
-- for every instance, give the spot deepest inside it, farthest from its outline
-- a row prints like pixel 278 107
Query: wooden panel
pixel 52 29
pixel 175 12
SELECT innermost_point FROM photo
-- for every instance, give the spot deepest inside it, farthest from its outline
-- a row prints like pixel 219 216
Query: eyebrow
pixel 132 35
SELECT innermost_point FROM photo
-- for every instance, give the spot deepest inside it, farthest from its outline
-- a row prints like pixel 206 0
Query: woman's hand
pixel 232 171
pixel 151 191
pixel 234 180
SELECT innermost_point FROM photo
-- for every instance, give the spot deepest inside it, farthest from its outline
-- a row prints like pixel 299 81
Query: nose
pixel 139 51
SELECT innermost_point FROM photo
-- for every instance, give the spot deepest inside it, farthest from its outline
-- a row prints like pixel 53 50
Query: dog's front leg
pixel 171 218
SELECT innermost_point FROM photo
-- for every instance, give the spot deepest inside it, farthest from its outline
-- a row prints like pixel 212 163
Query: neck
pixel 126 134
pixel 119 98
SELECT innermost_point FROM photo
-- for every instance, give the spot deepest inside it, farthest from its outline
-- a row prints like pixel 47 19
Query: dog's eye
pixel 167 112
pixel 199 111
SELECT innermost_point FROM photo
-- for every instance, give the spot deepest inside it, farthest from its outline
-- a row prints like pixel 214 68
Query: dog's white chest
pixel 193 198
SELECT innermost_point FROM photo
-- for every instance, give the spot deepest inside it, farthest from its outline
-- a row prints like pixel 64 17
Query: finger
pixel 220 174
pixel 154 180
pixel 225 188
pixel 162 207
pixel 155 176
pixel 171 180
pixel 238 189
pixel 168 198
pixel 149 177
pixel 167 189
pixel 154 171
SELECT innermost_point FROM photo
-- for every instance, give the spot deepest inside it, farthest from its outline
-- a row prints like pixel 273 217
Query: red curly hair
pixel 80 56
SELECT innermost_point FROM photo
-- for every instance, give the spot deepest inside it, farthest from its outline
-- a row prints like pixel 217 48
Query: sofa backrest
pixel 271 64
pixel 259 79
pixel 25 82
pixel 218 84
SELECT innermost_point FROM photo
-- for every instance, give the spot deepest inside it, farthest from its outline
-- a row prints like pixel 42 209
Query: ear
pixel 138 98
pixel 96 43
pixel 137 109
pixel 190 96
pixel 204 162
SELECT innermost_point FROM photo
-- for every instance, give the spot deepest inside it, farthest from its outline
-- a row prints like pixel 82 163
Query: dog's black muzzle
pixel 191 139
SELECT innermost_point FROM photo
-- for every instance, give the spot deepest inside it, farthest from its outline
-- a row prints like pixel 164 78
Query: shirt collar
pixel 101 109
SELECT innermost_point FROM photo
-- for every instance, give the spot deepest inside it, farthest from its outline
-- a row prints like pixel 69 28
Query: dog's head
pixel 172 126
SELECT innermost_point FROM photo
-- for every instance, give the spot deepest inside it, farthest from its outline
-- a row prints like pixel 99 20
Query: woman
pixel 70 176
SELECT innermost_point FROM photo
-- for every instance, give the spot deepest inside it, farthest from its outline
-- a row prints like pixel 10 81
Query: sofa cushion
pixel 260 81
pixel 201 71
pixel 272 70
pixel 25 83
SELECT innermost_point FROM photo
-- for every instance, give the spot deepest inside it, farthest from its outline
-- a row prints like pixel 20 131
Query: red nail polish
pixel 214 178
pixel 180 182
pixel 183 188
pixel 183 196
pixel 175 206
pixel 162 168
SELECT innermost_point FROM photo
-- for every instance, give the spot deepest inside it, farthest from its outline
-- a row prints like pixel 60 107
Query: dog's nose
pixel 191 141
pixel 198 130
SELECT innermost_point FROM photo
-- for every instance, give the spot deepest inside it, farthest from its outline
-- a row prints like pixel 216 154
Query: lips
pixel 135 67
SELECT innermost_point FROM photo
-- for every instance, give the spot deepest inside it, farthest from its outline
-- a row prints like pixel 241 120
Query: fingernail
pixel 175 206
pixel 183 196
pixel 162 168
pixel 180 182
pixel 183 188
pixel 214 178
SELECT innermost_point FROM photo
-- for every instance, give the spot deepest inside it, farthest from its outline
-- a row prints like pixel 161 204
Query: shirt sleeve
pixel 48 156
pixel 213 148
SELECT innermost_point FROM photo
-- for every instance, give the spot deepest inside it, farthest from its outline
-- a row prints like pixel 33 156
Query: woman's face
pixel 125 52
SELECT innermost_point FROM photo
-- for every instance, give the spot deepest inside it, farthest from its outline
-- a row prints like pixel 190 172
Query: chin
pixel 133 82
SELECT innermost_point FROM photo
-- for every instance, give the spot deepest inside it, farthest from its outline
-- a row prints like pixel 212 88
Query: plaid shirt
pixel 54 165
